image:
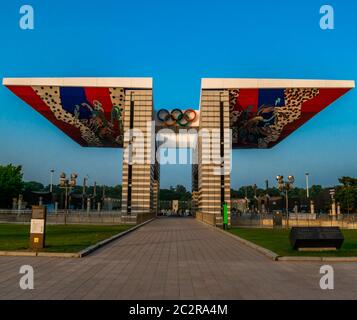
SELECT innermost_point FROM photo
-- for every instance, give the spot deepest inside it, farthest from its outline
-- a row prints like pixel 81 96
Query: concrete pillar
pixel 14 203
pixel 333 208
pixel 156 194
pixel 338 209
pixel 98 206
pixel 194 203
pixel 88 205
pixel 312 207
pixel 296 209
pixel 139 154
pixel 19 203
pixel 263 209
pixel 56 207
pixel 214 156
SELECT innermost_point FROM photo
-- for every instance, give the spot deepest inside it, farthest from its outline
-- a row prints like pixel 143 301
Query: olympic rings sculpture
pixel 177 117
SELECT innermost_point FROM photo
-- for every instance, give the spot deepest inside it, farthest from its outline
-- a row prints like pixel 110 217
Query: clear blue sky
pixel 177 43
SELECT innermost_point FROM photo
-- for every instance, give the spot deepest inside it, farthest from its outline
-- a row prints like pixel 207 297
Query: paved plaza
pixel 173 258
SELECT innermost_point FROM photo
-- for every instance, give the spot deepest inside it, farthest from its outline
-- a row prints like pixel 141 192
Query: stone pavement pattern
pixel 172 258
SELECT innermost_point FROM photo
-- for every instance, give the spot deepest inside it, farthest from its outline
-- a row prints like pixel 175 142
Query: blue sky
pixel 177 43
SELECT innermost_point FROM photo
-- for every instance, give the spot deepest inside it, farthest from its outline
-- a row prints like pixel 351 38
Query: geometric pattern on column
pixel 138 177
pixel 213 185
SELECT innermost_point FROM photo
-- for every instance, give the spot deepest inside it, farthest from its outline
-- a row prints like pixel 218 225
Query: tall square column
pixel 214 157
pixel 138 173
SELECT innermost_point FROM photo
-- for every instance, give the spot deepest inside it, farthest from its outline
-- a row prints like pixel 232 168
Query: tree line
pixel 345 194
pixel 12 185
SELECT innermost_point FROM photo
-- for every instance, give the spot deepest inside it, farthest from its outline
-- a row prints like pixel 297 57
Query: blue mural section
pixel 74 100
pixel 268 99
pixel 271 97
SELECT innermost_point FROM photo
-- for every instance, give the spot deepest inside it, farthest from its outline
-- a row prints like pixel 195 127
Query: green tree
pixel 346 194
pixel 248 191
pixel 348 181
pixel 11 184
pixel 32 186
pixel 175 193
pixel 113 192
pixel 316 191
pixel 29 187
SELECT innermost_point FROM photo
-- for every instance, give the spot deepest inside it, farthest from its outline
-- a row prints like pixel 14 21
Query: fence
pixel 344 221
pixel 73 217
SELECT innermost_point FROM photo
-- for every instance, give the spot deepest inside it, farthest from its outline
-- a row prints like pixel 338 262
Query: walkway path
pixel 174 258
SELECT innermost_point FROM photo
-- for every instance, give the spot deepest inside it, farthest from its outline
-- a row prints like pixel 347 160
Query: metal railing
pixel 76 217
pixel 346 221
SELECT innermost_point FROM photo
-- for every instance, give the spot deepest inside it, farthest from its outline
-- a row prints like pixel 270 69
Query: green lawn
pixel 277 240
pixel 59 238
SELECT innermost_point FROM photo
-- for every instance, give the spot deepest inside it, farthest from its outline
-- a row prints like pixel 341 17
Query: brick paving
pixel 172 258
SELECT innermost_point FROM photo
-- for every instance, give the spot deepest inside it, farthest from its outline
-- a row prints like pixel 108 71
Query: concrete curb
pixel 270 254
pixel 278 258
pixel 318 259
pixel 275 257
pixel 339 259
pixel 81 254
pixel 95 247
pixel 57 255
pixel 17 254
pixel 301 259
pixel 38 254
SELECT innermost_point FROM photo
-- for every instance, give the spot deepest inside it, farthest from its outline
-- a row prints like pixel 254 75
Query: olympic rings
pixel 177 116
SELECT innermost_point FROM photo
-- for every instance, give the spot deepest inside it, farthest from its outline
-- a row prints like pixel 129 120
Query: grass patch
pixel 59 238
pixel 277 240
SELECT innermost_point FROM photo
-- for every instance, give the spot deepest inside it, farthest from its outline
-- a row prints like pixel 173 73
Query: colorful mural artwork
pixel 261 118
pixel 92 116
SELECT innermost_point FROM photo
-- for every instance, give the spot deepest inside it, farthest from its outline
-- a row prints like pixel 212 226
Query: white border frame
pixel 227 83
pixel 137 83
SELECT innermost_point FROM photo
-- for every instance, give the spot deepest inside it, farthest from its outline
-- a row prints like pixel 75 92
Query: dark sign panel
pixel 316 237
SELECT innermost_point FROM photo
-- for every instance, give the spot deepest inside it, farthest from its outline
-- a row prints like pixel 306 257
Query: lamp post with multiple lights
pixel 286 186
pixel 67 184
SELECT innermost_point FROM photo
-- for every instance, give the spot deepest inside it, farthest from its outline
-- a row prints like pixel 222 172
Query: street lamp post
pixel 256 205
pixel 348 199
pixel 67 185
pixel 84 191
pixel 309 203
pixel 307 185
pixel 267 196
pixel 94 194
pixel 51 180
pixel 286 186
pixel 247 200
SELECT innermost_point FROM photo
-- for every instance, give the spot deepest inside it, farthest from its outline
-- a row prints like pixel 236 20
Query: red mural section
pixel 93 117
pixel 261 118
pixel 29 95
